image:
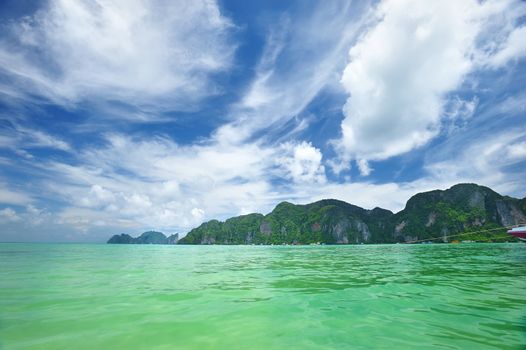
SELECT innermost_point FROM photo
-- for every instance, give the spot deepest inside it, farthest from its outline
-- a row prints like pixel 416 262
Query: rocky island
pixel 428 215
pixel 149 237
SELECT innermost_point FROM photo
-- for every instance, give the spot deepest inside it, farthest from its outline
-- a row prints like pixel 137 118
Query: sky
pixel 127 115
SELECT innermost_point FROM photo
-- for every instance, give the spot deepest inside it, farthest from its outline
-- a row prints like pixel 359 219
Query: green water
pixel 60 296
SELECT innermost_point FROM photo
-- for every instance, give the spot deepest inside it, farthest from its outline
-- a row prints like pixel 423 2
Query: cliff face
pixel 172 239
pixel 426 215
pixel 462 207
pixel 149 237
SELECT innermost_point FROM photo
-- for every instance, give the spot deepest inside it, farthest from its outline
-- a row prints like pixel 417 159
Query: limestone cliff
pixel 426 215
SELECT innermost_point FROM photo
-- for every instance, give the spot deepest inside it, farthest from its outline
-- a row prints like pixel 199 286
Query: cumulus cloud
pixel 157 183
pixel 141 53
pixel 401 70
pixel 302 163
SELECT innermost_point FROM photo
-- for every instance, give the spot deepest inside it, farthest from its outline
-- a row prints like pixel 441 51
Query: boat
pixel 519 232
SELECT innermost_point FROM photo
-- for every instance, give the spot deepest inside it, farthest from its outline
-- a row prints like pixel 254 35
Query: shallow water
pixel 65 296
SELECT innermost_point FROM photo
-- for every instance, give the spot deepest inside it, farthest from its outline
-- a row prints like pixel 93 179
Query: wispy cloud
pixel 495 159
pixel 21 140
pixel 13 196
pixel 285 80
pixel 152 54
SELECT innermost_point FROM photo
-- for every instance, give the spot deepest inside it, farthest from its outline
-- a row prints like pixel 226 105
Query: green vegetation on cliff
pixel 462 208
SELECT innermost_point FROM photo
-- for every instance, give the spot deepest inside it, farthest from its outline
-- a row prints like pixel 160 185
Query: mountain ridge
pixel 148 237
pixel 427 215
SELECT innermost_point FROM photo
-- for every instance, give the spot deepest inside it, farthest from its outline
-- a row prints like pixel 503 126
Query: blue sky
pixel 122 116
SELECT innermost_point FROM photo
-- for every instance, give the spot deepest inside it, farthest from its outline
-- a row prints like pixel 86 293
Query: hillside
pixel 461 208
pixel 148 237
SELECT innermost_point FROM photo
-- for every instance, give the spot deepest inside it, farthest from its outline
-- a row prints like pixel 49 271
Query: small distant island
pixel 434 215
pixel 148 237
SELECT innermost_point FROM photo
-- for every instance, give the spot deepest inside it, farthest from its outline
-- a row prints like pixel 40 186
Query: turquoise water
pixel 62 296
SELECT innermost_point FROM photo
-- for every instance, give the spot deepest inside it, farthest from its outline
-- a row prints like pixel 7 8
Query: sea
pixel 98 296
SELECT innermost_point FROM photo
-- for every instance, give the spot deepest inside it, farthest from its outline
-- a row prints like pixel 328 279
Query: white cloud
pixel 198 214
pixel 8 214
pixel 153 53
pixel 98 196
pixel 364 167
pixel 37 138
pixel 401 70
pixel 514 48
pixel 392 196
pixel 398 73
pixel 516 151
pixel 458 108
pixel 14 197
pixel 157 183
pixel 35 216
pixel 302 163
pixel 489 159
pixel 20 138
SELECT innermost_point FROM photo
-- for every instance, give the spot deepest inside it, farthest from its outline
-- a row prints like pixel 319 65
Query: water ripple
pixel 248 297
